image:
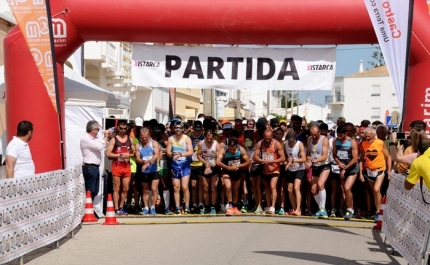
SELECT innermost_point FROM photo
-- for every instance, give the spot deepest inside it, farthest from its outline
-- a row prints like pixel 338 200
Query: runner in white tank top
pixel 295 156
pixel 207 152
pixel 318 147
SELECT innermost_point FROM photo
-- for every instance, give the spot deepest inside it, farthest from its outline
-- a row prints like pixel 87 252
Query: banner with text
pixel 38 210
pixel 390 19
pixel 233 67
pixel 407 219
pixel 32 20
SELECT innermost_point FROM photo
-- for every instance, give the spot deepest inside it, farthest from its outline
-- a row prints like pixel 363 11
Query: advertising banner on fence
pixel 406 219
pixel 390 19
pixel 233 67
pixel 38 210
pixel 32 20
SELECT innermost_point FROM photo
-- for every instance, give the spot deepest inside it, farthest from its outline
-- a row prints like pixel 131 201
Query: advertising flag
pixel 233 67
pixel 390 19
pixel 32 19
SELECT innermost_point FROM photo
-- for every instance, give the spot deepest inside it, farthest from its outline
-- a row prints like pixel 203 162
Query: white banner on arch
pixel 233 67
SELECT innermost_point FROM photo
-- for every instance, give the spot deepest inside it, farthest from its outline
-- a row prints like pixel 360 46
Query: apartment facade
pixel 365 95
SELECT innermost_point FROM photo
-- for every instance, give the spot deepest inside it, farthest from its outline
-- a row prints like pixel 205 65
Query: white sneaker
pixel 223 208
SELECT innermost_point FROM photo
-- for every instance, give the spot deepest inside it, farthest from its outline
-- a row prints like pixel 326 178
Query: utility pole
pixel 269 103
pixel 238 101
pixel 286 104
pixel 297 102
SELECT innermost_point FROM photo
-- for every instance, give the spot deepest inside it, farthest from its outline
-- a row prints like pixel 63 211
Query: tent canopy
pixel 81 92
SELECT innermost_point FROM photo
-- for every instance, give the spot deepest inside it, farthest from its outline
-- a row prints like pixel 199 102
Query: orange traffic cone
pixel 378 225
pixel 89 211
pixel 110 212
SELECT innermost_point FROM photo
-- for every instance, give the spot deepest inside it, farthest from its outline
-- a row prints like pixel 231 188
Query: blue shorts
pixel 178 173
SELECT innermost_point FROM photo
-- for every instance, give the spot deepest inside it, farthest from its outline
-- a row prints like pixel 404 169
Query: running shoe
pixel 229 211
pixel 122 212
pixel 290 212
pixel 281 211
pixel 167 212
pixel 308 212
pixel 244 209
pixel 116 212
pixel 376 218
pixel 333 212
pixel 144 212
pixel 236 211
pixel 187 210
pixel 223 208
pixel 348 215
pixel 202 209
pixel 341 213
pixel 322 213
pixel 137 210
pixel 152 211
pixel 297 213
pixel 213 211
pixel 259 210
pixel 271 210
pixel 177 211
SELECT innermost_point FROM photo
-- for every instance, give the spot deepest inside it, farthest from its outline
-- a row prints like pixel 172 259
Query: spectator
pixel 91 148
pixel 19 162
pixel 420 166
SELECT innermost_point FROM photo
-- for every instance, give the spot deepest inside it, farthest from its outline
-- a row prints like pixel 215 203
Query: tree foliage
pixel 378 58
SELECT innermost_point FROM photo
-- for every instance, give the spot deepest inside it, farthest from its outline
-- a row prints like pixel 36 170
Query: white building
pixel 365 95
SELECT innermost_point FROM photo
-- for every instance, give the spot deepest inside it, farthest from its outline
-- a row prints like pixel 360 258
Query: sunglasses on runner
pixel 179 128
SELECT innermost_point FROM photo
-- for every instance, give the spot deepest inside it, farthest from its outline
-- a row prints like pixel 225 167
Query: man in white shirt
pixel 19 162
pixel 91 148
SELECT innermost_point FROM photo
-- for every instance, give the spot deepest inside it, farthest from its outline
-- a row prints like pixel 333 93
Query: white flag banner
pixel 390 20
pixel 233 67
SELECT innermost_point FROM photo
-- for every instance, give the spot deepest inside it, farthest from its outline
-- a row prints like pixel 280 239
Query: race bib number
pixel 237 162
pixel 372 173
pixel 335 168
pixel 268 156
pixel 316 156
pixel 342 154
pixel 294 167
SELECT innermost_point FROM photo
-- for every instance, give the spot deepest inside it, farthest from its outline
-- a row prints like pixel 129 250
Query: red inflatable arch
pixel 191 21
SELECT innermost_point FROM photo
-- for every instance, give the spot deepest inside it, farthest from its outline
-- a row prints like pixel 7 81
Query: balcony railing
pixel 338 99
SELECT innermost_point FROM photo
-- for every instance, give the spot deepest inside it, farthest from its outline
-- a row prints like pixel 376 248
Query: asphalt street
pixel 220 240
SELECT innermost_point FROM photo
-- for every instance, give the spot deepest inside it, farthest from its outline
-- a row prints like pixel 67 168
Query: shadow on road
pixel 43 250
pixel 325 259
pixel 330 228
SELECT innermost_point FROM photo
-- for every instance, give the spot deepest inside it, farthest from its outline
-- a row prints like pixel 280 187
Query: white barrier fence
pixel 38 210
pixel 407 219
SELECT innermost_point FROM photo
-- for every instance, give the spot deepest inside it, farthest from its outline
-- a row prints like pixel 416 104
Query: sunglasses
pixel 122 129
pixel 97 129
pixel 179 128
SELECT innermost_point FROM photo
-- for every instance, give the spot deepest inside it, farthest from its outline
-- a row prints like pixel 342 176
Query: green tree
pixel 279 117
pixel 378 58
pixel 290 96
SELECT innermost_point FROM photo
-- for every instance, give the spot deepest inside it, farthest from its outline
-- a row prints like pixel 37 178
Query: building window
pixel 376 113
pixel 376 90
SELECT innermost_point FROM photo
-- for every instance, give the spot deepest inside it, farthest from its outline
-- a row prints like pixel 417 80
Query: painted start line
pixel 261 219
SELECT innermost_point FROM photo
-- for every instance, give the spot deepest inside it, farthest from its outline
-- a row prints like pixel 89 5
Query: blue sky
pixel 347 62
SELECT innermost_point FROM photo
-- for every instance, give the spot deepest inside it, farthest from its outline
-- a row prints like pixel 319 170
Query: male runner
pixel 231 161
pixel 345 154
pixel 270 154
pixel 317 154
pixel 180 149
pixel 120 150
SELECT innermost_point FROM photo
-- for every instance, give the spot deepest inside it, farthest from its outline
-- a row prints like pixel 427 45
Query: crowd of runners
pixel 268 166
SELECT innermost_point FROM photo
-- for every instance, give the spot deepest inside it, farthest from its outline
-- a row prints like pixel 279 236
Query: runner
pixel 120 150
pixel 270 154
pixel 231 161
pixel 180 149
pixel 147 153
pixel 196 167
pixel 373 162
pixel 207 154
pixel 296 156
pixel 345 154
pixel 317 154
